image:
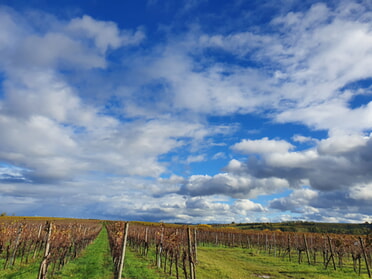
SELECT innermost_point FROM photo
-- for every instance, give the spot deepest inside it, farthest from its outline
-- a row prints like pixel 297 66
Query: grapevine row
pixel 173 248
pixel 53 244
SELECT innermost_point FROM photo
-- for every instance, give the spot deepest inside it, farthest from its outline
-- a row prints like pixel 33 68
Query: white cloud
pixel 44 93
pixel 105 34
pixel 239 43
pixel 336 163
pixel 219 155
pixel 196 158
pixel 331 116
pixel 341 144
pixel 133 148
pixel 9 36
pixel 24 45
pixel 326 58
pixel 54 49
pixel 185 88
pixel 244 206
pixel 292 159
pixel 362 192
pixel 40 145
pixel 232 185
pixel 234 165
pixel 324 206
pixel 262 146
pixel 303 139
pixel 297 201
pixel 331 179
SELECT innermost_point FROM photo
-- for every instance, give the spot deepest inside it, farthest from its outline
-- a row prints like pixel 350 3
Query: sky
pixel 189 111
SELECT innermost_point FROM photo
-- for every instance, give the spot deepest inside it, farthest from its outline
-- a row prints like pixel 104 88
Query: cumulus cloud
pixel 245 206
pixel 262 146
pixel 297 201
pixel 342 144
pixel 335 169
pixel 335 206
pixel 329 179
pixel 361 192
pixel 237 186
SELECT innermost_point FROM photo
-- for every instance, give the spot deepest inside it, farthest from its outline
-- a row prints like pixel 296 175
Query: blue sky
pixel 187 111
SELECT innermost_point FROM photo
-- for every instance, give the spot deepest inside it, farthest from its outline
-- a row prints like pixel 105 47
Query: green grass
pixel 140 267
pixel 94 263
pixel 235 263
pixel 20 271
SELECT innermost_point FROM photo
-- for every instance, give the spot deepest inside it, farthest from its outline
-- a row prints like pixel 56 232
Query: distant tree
pixel 3 214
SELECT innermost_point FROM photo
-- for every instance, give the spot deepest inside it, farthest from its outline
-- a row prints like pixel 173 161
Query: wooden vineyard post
pixel 159 249
pixel 146 244
pixel 195 247
pixel 38 237
pixel 44 262
pixel 289 248
pixel 16 244
pixel 191 261
pixel 307 250
pixel 365 257
pixel 121 262
pixel 332 256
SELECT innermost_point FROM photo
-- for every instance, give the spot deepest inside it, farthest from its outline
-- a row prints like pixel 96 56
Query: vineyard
pixel 171 249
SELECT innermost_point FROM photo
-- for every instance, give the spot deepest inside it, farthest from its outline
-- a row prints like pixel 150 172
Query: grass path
pixel 94 263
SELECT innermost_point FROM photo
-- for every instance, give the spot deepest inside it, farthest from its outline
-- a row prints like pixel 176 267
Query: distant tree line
pixel 306 226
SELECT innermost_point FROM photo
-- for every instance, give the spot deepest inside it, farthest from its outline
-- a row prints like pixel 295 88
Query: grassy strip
pixel 232 263
pixel 139 267
pixel 22 271
pixel 94 263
